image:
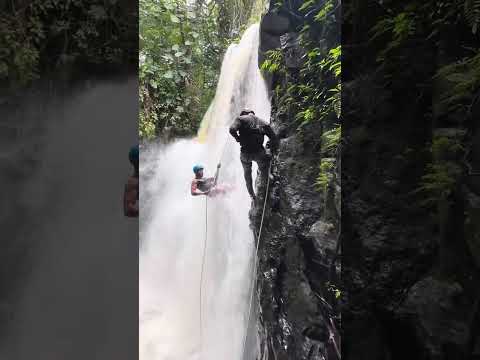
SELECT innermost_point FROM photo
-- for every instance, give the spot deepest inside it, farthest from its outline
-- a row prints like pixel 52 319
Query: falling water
pixel 172 240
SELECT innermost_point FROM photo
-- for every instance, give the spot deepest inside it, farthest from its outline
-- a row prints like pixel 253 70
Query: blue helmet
pixel 197 168
pixel 133 154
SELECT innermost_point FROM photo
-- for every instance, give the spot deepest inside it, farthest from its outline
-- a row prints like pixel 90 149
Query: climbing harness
pixel 253 280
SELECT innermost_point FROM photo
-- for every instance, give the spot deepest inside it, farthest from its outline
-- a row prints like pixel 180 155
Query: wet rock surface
pixel 410 272
pixel 298 244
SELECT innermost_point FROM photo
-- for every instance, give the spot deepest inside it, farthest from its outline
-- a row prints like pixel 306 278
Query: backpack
pixel 251 133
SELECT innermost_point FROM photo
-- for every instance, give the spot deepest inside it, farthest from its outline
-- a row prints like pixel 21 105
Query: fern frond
pixel 472 14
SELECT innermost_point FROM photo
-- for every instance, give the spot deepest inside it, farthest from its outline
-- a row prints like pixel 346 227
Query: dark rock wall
pixel 409 275
pixel 410 269
pixel 298 245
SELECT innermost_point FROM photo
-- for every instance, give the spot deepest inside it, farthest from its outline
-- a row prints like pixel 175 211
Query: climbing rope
pixel 221 156
pixel 252 284
pixel 205 249
pixel 229 141
pixel 253 280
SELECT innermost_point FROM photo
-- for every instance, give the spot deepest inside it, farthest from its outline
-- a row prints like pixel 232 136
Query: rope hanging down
pixel 253 281
pixel 220 161
pixel 252 284
pixel 205 247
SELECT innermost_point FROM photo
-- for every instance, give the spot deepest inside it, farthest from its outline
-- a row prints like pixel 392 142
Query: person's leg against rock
pixel 247 173
pixel 263 162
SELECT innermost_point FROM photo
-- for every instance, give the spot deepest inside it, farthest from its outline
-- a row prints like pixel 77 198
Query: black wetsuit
pixel 249 131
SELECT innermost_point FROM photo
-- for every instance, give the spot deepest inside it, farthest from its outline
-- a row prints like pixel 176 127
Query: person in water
pixel 249 131
pixel 131 194
pixel 207 186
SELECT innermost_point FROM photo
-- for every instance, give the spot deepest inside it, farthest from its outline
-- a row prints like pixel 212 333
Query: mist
pixel 79 293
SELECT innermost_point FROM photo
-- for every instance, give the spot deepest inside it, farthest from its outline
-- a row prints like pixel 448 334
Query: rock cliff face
pixel 409 272
pixel 410 262
pixel 409 198
pixel 298 247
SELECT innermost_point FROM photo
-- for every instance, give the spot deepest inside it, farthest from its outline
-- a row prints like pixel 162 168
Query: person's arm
pixel 234 129
pixel 131 199
pixel 273 138
pixel 268 131
pixel 195 191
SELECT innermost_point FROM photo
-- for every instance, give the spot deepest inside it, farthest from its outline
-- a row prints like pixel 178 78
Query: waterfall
pixel 172 238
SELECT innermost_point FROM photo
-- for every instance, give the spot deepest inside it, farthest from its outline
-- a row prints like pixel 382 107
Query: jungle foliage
pixel 181 48
pixel 41 36
pixel 313 94
pixel 445 170
pixel 448 31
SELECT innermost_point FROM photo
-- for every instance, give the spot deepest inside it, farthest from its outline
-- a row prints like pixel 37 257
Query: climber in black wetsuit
pixel 249 131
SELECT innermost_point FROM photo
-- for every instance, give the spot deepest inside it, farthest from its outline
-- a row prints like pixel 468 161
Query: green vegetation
pixel 443 81
pixel 443 174
pixel 463 77
pixel 330 145
pixel 41 36
pixel 334 290
pixel 472 14
pixel 273 63
pixel 181 48
pixel 314 95
pixel 325 176
pixel 408 23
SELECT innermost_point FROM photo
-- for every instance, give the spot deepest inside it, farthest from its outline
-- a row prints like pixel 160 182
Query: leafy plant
pixel 443 173
pixel 334 289
pixel 41 36
pixel 331 139
pixel 322 14
pixel 181 46
pixel 332 61
pixel 314 95
pixel 472 14
pixel 398 27
pixel 273 62
pixel 330 142
pixel 464 79
pixel 325 175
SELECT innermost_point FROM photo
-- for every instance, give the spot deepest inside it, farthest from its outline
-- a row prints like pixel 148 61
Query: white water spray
pixel 172 242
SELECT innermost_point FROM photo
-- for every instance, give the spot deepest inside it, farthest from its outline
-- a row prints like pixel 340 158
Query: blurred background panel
pixel 68 117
